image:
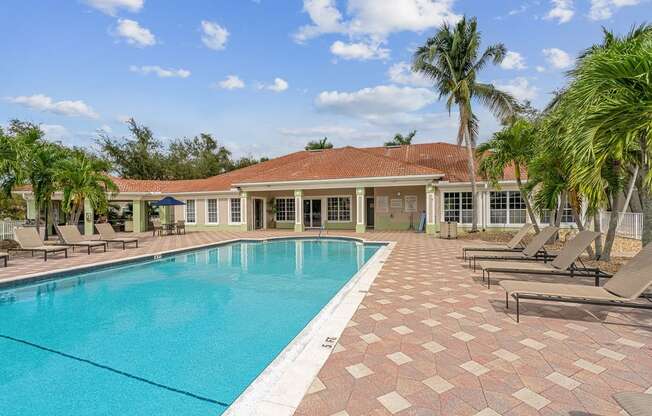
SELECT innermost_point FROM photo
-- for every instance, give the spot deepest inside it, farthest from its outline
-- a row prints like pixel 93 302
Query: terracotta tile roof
pixel 341 163
pixel 447 157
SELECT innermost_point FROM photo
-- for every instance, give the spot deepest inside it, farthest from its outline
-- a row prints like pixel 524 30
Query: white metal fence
pixel 631 225
pixel 7 229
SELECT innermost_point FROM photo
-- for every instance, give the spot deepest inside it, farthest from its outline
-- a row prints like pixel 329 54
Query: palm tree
pixel 319 144
pixel 400 140
pixel 512 146
pixel 606 114
pixel 451 60
pixel 82 178
pixel 30 160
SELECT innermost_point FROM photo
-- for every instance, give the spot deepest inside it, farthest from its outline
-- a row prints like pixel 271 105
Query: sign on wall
pixel 396 203
pixel 382 204
pixel 411 203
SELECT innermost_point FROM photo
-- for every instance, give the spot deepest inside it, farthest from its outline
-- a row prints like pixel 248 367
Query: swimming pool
pixel 180 335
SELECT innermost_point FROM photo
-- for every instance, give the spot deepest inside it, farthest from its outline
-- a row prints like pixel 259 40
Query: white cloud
pixel 325 17
pixel 54 131
pixel 401 73
pixel 279 85
pixel 232 82
pixel 520 88
pixel 376 103
pixel 604 9
pixel 562 11
pixel 359 51
pixel 375 19
pixel 214 36
pixel 160 72
pixel 513 60
pixel 540 68
pixel 44 103
pixel 557 58
pixel 134 33
pixel 111 7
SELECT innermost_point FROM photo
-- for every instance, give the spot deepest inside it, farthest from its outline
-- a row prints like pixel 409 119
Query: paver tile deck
pixel 442 344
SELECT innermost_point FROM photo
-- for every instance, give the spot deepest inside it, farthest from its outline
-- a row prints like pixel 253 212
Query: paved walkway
pixel 429 339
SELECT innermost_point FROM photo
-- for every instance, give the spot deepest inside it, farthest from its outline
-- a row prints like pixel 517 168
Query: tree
pixel 319 144
pixel 140 157
pixel 82 178
pixel 196 158
pixel 605 113
pixel 510 147
pixel 28 159
pixel 400 140
pixel 450 59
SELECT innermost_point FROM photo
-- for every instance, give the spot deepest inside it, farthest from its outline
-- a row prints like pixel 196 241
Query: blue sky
pixel 266 76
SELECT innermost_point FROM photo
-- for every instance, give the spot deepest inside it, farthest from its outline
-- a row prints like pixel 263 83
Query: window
pixel 211 211
pixel 236 211
pixel 566 214
pixel 458 207
pixel 517 210
pixel 285 211
pixel 191 216
pixel 506 207
pixel 339 209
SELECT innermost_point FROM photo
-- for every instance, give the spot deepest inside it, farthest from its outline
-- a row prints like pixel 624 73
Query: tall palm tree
pixel 451 59
pixel 606 110
pixel 82 178
pixel 400 140
pixel 512 146
pixel 319 144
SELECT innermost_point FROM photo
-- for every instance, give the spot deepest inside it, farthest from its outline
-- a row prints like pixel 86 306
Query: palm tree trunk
pixel 526 198
pixel 630 191
pixel 598 241
pixel 646 203
pixel 613 226
pixel 474 185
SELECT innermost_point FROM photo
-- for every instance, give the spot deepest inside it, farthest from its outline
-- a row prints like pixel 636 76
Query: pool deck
pixel 430 339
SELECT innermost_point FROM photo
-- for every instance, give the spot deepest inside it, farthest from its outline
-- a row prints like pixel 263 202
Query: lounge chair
pixel 635 404
pixel 515 244
pixel 562 265
pixel 29 240
pixel 625 286
pixel 535 250
pixel 72 237
pixel 108 235
pixel 5 257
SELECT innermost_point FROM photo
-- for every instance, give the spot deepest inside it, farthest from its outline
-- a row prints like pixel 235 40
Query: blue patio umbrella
pixel 168 201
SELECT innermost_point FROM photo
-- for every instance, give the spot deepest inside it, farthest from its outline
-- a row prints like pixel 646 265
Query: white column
pixel 298 207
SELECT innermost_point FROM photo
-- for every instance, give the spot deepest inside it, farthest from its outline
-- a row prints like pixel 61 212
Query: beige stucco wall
pixel 397 218
pixel 201 214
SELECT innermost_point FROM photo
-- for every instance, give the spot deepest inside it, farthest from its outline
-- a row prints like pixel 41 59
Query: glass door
pixel 312 213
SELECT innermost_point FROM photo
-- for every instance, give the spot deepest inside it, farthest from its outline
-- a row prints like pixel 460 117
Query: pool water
pixel 182 335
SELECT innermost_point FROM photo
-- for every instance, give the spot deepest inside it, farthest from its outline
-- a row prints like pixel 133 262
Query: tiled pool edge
pixel 279 389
